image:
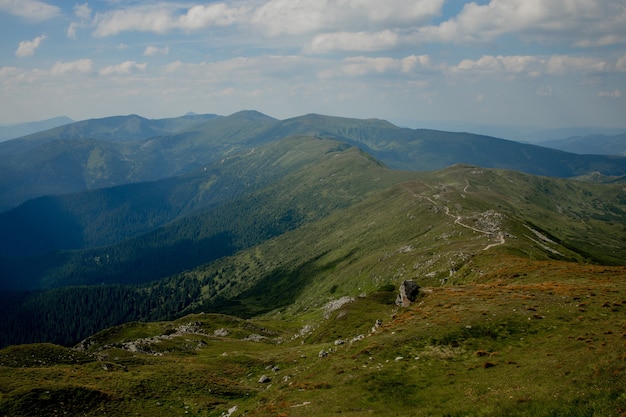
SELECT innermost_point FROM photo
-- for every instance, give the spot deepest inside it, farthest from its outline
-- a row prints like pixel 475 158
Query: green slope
pixel 249 197
pixel 110 215
pixel 521 312
pixel 428 227
pixel 425 150
pixel 530 340
pixel 516 315
pixel 120 150
pixel 106 152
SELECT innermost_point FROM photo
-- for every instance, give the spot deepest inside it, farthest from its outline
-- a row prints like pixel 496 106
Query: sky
pixel 556 63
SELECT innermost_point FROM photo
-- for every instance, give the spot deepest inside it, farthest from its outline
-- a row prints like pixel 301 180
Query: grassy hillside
pixel 518 337
pixel 263 284
pixel 107 216
pixel 342 242
pixel 425 150
pixel 521 310
pixel 254 197
pixel 428 229
pixel 119 150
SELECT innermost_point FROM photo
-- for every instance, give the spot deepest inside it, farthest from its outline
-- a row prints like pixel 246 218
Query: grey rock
pixel 408 293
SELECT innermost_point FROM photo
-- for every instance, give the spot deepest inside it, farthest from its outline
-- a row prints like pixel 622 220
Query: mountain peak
pixel 251 115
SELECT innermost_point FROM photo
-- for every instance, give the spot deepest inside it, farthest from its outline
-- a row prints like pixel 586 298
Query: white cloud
pixel 199 17
pixel 294 17
pixel 241 70
pixel 78 67
pixel 6 72
pixel 162 19
pixel 83 13
pixel 353 41
pixel 383 65
pixel 71 30
pixel 278 17
pixel 491 65
pixel 578 22
pixel 561 64
pixel 173 66
pixel 126 67
pixel 620 65
pixel 27 48
pixel 273 17
pixel 601 41
pixel 153 50
pixel 615 93
pixel 137 19
pixel 30 9
pixel 529 65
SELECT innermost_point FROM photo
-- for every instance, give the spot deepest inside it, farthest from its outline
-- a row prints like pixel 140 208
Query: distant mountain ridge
pixel 128 149
pixel 115 129
pixel 591 144
pixel 22 129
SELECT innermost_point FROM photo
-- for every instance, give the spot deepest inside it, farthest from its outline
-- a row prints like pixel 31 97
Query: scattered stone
pixel 376 326
pixel 336 305
pixel 357 338
pixel 339 342
pixel 322 354
pixel 230 411
pixel 254 337
pixel 190 328
pixel 408 293
pixel 399 358
pixel 221 332
pixel 265 379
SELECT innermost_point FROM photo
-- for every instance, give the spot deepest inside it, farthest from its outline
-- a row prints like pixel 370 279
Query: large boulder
pixel 408 293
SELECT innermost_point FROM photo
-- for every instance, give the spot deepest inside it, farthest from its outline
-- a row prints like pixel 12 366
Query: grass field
pixel 517 337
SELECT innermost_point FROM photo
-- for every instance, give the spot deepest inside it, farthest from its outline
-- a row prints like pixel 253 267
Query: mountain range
pixel 22 129
pixel 590 144
pixel 127 149
pixel 222 250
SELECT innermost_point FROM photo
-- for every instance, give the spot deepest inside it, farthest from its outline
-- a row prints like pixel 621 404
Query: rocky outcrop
pixel 265 379
pixel 409 291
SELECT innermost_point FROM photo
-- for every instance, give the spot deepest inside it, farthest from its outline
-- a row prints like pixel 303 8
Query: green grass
pixel 534 326
pixel 526 338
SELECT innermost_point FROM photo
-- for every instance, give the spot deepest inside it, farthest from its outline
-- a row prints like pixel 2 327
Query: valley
pixel 244 265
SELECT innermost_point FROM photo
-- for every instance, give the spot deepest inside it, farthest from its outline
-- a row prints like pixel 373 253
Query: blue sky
pixel 557 63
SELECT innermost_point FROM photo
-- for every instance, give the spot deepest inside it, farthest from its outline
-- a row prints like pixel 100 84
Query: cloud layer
pixel 490 59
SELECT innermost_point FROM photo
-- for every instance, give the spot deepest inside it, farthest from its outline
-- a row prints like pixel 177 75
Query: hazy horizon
pixel 512 62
